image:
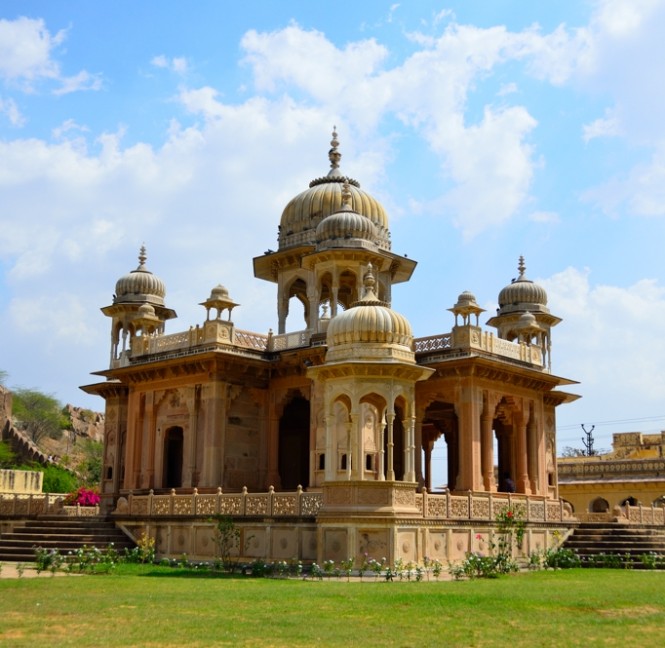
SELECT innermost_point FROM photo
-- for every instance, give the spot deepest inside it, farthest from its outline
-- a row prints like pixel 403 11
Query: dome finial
pixel 142 257
pixel 521 267
pixel 369 281
pixel 346 197
pixel 334 155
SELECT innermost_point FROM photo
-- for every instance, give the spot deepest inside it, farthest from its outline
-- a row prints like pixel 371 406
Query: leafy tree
pixel 7 455
pixel 3 377
pixel 39 414
pixel 91 466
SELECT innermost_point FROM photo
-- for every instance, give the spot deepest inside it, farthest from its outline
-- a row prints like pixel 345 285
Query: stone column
pixel 356 454
pixel 487 445
pixel 213 461
pixel 390 420
pixel 331 459
pixel 382 452
pixel 409 449
pixel 523 485
pixel 469 410
pixel 418 451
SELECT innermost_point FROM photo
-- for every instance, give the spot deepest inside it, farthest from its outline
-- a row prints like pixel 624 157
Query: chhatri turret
pixel 523 314
pixel 138 307
pixel 328 236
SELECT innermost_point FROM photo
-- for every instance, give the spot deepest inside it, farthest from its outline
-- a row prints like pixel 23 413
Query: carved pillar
pixel 487 445
pixel 427 478
pixel 150 424
pixel 418 451
pixel 190 475
pixel 331 458
pixel 520 421
pixel 409 449
pixel 390 421
pixel 213 461
pixel 469 410
pixel 381 472
pixel 356 455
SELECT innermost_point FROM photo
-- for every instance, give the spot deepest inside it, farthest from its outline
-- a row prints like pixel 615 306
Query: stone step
pixel 61 534
pixel 589 540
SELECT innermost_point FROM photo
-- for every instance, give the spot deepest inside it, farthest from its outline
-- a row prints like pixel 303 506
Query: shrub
pixel 83 497
pixel 57 480
pixel 561 558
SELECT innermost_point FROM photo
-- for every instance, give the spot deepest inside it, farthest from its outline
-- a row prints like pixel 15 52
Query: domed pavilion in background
pixel 318 442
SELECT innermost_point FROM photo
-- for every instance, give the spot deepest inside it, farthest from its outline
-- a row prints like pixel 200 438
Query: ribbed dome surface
pixel 302 214
pixel 369 321
pixel 345 224
pixel 140 285
pixel 522 291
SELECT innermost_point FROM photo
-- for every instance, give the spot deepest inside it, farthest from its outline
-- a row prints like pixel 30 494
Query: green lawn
pixel 149 606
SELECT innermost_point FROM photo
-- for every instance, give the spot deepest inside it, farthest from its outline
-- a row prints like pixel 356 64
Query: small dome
pixel 523 292
pixel 146 310
pixel 219 292
pixel 526 320
pixel 369 321
pixel 140 285
pixel 345 224
pixel 466 299
pixel 302 215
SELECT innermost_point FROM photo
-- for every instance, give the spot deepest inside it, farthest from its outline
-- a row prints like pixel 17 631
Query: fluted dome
pixel 302 214
pixel 369 321
pixel 523 293
pixel 345 225
pixel 219 292
pixel 140 285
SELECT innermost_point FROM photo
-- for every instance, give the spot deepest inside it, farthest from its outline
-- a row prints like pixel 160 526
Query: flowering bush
pixel 83 496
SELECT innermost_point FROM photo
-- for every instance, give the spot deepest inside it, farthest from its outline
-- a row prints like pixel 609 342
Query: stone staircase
pixel 628 541
pixel 61 534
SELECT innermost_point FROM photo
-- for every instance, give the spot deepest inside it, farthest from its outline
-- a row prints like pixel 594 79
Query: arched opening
pixel 347 292
pixel 440 446
pixel 173 444
pixel 599 505
pixel 505 451
pixel 293 459
pixel 296 319
pixel 630 501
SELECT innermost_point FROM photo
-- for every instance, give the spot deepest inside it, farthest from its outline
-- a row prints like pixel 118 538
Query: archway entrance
pixel 173 443
pixel 293 460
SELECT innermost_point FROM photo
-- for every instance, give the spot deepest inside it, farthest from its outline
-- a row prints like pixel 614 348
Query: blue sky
pixel 487 129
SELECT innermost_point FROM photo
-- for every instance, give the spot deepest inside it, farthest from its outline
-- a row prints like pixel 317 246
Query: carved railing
pixel 596 469
pixel 488 506
pixel 33 505
pixel 243 504
pixel 250 340
pixel 472 339
pixel 433 343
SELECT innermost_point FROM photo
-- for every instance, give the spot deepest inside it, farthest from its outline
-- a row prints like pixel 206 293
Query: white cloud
pixel 177 64
pixel 9 109
pixel 603 342
pixel 27 51
pixel 545 217
pixel 608 126
pixel 640 192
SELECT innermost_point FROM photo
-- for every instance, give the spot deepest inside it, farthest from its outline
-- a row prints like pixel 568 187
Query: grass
pixel 151 606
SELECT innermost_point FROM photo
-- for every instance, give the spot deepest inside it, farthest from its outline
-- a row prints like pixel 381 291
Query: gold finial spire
pixel 334 155
pixel 521 267
pixel 142 257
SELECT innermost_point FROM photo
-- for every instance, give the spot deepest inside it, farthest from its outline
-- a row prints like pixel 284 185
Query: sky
pixel 487 129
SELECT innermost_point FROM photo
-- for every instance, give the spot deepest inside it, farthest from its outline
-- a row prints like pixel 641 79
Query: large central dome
pixel 302 215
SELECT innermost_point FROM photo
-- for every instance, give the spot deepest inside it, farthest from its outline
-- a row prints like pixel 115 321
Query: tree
pixel 38 414
pixel 3 377
pixel 7 455
pixel 569 451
